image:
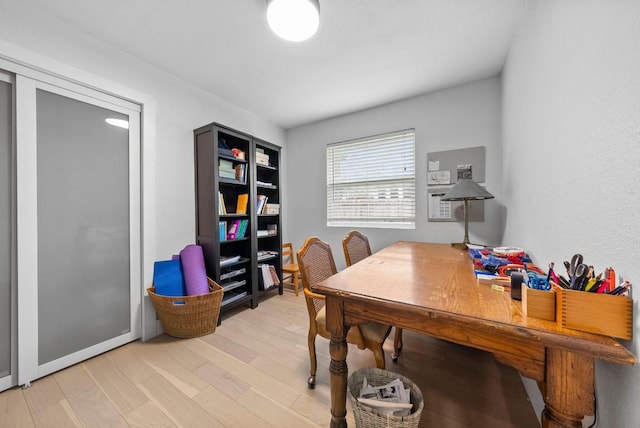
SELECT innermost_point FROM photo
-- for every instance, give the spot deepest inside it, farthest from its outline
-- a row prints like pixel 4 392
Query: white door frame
pixel 12 378
pixel 27 231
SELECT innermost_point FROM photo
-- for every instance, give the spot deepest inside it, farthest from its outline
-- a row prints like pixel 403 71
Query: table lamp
pixel 466 190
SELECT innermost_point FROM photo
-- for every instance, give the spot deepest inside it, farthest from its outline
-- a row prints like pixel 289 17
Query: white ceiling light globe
pixel 293 20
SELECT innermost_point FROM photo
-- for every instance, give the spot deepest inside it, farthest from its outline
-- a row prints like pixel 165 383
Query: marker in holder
pixel 517 279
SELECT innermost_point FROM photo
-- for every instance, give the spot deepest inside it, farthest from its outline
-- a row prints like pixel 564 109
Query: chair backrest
pixel 287 253
pixel 315 261
pixel 356 247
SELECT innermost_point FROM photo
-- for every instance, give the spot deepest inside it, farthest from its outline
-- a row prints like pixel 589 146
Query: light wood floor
pixel 252 373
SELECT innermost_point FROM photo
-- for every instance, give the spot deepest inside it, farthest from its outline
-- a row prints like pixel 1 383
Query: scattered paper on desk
pixel 434 165
pixel 476 247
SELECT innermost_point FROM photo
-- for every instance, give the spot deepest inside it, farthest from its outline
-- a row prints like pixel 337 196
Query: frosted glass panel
pixel 83 226
pixel 5 228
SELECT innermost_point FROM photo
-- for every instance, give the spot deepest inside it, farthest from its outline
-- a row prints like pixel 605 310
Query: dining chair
pixel 356 247
pixel 316 264
pixel 290 269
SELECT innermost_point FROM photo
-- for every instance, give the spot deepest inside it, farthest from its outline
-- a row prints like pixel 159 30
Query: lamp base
pixel 464 246
pixel 460 246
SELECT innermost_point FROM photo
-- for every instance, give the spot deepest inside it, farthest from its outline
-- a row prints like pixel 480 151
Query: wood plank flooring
pixel 252 373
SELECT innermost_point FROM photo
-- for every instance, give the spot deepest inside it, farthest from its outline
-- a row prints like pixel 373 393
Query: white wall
pixel 29 36
pixel 571 153
pixel 460 117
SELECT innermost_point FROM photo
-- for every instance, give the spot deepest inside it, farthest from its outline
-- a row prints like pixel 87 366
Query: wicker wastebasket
pixel 189 316
pixel 365 417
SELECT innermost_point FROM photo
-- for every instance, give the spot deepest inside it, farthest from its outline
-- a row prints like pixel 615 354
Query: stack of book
pixel 226 169
pixel 272 209
pixel 262 158
pixel 266 254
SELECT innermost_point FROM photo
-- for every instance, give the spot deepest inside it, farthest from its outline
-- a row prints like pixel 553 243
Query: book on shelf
pixel 274 275
pixel 226 261
pixel 241 173
pixel 241 205
pixel 269 276
pixel 267 279
pixel 233 229
pixel 222 209
pixel 260 203
pixel 222 230
pixel 244 223
pixel 262 233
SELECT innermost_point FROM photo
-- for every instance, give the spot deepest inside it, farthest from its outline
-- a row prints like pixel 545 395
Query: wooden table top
pixel 437 280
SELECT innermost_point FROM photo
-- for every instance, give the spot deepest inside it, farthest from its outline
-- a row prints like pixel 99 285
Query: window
pixel 371 181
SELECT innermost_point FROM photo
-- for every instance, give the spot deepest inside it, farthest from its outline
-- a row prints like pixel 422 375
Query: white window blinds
pixel 371 181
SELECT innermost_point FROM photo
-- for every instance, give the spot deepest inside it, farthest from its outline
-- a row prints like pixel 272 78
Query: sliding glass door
pixel 7 291
pixel 78 200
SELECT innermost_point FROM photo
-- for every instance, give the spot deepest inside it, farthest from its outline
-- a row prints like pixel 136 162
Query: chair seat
pixel 370 330
pixel 290 268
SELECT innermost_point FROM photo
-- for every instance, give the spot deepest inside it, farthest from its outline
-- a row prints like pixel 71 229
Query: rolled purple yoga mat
pixel 195 274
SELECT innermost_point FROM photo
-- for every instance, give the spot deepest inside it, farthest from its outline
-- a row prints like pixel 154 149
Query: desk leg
pixel 569 391
pixel 338 366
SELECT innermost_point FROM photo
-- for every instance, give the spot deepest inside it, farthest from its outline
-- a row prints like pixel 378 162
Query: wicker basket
pixel 365 417
pixel 189 316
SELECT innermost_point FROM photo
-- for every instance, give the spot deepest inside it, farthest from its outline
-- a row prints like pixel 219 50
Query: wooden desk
pixel 431 289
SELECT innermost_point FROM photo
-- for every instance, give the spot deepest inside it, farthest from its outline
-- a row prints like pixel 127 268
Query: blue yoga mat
pixel 168 278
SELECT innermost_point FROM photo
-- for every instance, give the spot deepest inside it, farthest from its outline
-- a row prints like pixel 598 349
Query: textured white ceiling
pixel 366 52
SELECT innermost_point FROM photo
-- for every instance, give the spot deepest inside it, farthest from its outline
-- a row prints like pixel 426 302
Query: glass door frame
pixel 27 221
pixel 11 379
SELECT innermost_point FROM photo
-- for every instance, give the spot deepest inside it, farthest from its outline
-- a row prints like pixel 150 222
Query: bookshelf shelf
pixel 264 186
pixel 237 178
pixel 229 241
pixel 273 168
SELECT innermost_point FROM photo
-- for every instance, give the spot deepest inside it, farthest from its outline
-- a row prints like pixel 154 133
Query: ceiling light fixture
pixel 293 20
